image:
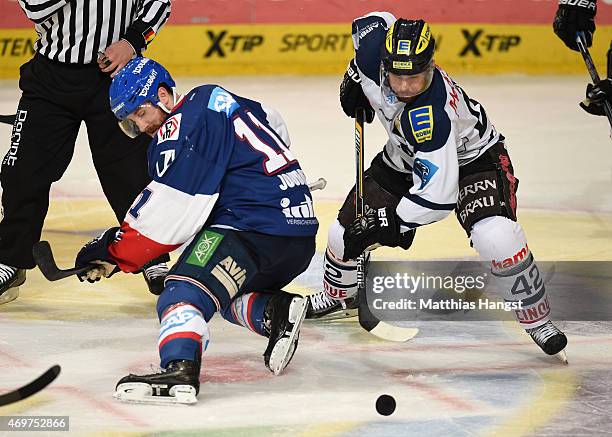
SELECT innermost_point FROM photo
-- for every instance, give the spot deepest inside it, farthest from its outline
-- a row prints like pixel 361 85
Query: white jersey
pixel 431 137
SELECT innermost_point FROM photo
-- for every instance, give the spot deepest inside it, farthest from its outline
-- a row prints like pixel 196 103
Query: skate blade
pixel 337 315
pixel 562 356
pixel 142 393
pixel 283 349
pixel 9 295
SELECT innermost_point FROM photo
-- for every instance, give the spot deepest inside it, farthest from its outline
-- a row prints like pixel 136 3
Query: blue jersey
pixel 219 160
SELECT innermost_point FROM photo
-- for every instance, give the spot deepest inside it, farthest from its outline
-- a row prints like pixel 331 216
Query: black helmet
pixel 409 47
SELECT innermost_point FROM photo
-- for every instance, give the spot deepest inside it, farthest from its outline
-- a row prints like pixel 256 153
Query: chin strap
pixel 176 97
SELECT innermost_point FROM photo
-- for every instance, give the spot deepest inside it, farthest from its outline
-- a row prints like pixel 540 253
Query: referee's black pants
pixel 56 97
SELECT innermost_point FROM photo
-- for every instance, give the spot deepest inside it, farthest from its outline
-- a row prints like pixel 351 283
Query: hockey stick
pixel 8 119
pixel 367 320
pixel 319 184
pixel 580 40
pixel 32 388
pixel 43 256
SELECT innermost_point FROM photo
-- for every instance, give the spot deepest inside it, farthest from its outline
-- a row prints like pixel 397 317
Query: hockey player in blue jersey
pixel 442 154
pixel 218 163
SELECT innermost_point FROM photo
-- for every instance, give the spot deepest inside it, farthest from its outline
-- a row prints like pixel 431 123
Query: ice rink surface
pixel 459 379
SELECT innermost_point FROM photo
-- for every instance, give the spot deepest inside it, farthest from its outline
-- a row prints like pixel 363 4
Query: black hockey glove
pixel 352 96
pixel 96 252
pixel 575 16
pixel 377 226
pixel 596 95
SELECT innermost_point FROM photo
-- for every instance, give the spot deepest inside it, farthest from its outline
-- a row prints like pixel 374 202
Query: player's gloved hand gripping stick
pixel 581 42
pixel 43 255
pixel 367 320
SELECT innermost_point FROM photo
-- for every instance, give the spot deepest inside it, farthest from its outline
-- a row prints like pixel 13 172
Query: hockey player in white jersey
pixel 443 154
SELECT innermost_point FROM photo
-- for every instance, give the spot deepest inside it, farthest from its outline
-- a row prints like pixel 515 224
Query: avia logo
pixel 477 41
pixel 168 158
pixel 222 42
pixel 230 275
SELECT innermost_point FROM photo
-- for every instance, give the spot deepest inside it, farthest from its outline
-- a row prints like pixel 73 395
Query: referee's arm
pixel 150 17
pixel 39 10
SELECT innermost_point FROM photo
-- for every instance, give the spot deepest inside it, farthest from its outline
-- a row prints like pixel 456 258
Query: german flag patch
pixel 148 35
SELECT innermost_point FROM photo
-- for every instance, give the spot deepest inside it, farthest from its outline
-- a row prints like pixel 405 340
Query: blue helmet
pixel 135 84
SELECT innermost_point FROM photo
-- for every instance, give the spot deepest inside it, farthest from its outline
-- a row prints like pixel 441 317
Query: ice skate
pixel 322 307
pixel 283 318
pixel 10 280
pixel 178 383
pixel 550 339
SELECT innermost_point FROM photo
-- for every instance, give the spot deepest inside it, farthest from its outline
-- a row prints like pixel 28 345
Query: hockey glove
pixel 596 95
pixel 96 252
pixel 575 16
pixel 352 96
pixel 377 227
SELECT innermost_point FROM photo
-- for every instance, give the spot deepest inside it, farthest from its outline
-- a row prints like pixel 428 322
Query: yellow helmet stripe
pixel 424 39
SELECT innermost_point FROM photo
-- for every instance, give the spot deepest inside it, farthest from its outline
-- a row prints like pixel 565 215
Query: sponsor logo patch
pixel 230 274
pixel 425 170
pixel 222 101
pixel 169 131
pixel 204 248
pixel 422 123
pixel 300 214
pixel 402 65
pixel 403 47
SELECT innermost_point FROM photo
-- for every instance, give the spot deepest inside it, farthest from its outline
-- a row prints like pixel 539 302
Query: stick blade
pixel 8 119
pixel 43 256
pixel 380 329
pixel 32 388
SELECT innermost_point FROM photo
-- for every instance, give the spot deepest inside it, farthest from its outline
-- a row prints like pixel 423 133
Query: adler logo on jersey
pixel 425 170
pixel 222 101
pixel 422 123
pixel 170 129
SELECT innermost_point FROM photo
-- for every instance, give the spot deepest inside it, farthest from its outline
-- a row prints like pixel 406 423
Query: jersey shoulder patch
pixel 222 101
pixel 369 33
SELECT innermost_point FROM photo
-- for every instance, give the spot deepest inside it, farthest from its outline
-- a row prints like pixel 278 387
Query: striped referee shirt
pixel 73 31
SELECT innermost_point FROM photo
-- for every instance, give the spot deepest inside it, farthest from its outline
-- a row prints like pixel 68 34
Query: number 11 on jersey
pixel 278 156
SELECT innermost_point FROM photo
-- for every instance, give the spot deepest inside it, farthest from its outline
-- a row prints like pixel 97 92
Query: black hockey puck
pixel 385 405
